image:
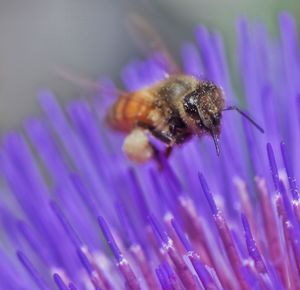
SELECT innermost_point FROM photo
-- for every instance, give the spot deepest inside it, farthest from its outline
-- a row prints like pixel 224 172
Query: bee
pixel 172 110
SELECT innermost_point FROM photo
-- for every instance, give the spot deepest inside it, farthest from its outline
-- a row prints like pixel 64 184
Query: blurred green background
pixel 89 38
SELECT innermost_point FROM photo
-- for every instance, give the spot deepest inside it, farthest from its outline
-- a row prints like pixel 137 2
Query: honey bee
pixel 172 110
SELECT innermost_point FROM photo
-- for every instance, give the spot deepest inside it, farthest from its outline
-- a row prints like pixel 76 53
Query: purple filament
pixel 208 194
pixel 289 171
pixel 66 225
pixel 59 282
pixel 109 239
pixel 273 166
pixel 162 278
pixel 186 243
pixel 125 222
pixel 32 271
pixel 161 235
pixel 85 262
pixel 251 246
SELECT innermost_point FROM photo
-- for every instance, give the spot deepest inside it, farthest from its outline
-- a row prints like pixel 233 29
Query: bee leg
pixel 168 150
pixel 157 134
pixel 137 146
pixel 157 156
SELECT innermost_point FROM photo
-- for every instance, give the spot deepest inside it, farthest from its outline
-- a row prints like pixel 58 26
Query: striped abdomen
pixel 130 109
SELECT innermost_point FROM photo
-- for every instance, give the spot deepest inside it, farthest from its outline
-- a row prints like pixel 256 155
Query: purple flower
pixel 80 216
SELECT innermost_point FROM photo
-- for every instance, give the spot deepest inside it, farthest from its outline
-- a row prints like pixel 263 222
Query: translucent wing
pixel 151 43
pixel 147 38
pixel 85 82
pixel 94 85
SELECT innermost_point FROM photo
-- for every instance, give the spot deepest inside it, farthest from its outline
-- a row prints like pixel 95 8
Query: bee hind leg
pixel 160 136
pixel 157 134
pixel 139 149
pixel 137 146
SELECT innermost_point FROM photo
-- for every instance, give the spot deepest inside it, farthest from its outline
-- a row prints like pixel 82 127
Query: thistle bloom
pixel 76 214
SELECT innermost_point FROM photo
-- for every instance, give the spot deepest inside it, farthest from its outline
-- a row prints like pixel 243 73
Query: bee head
pixel 204 107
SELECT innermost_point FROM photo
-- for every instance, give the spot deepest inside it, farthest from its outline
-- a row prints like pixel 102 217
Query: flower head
pixel 80 216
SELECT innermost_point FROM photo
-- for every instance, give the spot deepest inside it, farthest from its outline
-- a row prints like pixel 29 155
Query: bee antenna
pixel 216 141
pixel 231 108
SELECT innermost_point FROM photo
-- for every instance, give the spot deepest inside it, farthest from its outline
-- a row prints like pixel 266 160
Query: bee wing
pixel 151 43
pixel 85 82
pixel 97 86
pixel 147 38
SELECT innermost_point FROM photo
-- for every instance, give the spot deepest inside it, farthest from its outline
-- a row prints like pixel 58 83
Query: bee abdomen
pixel 130 109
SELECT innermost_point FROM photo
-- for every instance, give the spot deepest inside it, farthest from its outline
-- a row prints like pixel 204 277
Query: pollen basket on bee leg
pixel 136 146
